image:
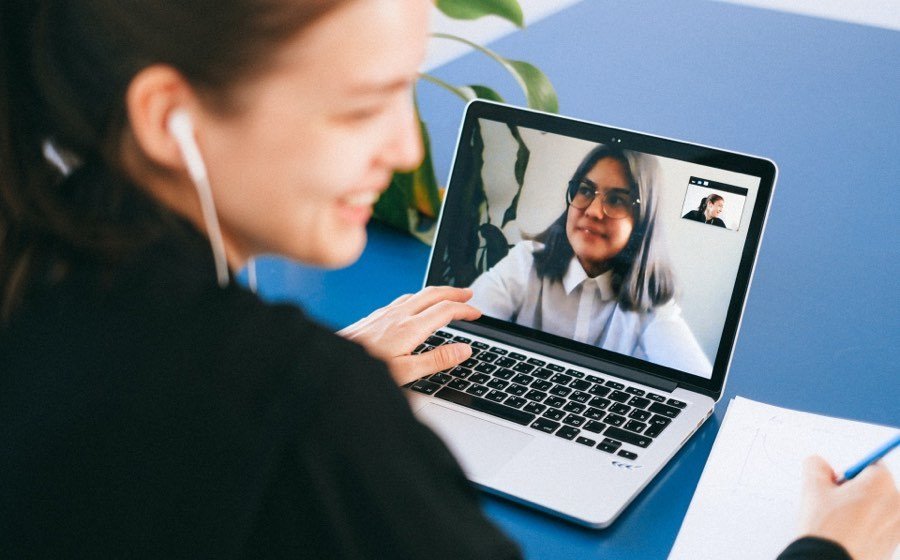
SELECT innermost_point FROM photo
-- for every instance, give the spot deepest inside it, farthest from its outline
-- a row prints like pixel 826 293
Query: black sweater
pixel 147 413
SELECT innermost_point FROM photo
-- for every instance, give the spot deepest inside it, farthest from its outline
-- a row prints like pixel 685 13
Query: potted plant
pixel 413 199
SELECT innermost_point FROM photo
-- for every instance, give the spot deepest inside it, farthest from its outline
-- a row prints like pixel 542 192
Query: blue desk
pixel 821 98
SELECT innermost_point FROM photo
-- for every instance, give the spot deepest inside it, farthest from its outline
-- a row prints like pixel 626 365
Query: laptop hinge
pixel 576 358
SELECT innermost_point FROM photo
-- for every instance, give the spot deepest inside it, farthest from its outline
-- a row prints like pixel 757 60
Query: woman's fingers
pixel 432 295
pixel 440 314
pixel 409 368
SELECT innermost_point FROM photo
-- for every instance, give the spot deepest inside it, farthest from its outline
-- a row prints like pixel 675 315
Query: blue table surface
pixel 821 98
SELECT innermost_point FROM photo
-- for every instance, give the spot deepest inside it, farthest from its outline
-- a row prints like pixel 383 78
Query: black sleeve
pixel 364 479
pixel 814 548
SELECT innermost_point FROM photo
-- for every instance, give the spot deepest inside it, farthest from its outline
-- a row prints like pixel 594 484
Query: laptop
pixel 612 267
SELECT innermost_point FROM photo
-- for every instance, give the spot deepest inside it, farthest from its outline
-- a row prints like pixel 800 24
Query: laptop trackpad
pixel 480 446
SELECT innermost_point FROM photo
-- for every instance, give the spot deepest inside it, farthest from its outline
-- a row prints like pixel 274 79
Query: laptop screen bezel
pixel 762 168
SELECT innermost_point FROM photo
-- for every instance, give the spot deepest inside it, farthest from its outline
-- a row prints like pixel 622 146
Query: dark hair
pixel 711 199
pixel 642 276
pixel 64 71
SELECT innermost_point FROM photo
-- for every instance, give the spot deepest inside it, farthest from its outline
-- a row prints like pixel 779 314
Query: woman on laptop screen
pixel 599 274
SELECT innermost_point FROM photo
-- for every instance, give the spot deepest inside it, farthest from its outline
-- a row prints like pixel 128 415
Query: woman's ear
pixel 153 95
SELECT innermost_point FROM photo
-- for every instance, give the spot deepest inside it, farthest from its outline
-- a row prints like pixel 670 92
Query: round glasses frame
pixel 615 211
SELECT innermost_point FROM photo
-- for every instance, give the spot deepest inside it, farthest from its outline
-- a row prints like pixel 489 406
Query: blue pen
pixel 874 456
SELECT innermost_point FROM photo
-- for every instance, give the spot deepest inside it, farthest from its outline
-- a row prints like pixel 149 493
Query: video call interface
pixel 630 252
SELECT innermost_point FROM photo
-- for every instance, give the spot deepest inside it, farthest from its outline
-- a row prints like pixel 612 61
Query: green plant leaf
pixel 523 154
pixel 509 10
pixel 393 204
pixel 495 244
pixel 483 92
pixel 539 91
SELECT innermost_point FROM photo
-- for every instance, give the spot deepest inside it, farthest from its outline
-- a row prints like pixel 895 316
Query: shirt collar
pixel 576 276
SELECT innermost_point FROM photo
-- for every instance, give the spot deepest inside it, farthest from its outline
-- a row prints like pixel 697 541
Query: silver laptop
pixel 612 268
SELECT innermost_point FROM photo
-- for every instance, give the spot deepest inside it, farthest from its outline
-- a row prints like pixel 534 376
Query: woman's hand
pixel 862 514
pixel 392 332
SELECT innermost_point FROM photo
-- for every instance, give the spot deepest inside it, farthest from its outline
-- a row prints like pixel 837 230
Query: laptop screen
pixel 632 248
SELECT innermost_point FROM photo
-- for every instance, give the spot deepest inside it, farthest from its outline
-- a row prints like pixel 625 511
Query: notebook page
pixel 747 501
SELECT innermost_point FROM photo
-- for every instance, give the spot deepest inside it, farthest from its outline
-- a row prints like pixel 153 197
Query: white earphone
pixel 182 129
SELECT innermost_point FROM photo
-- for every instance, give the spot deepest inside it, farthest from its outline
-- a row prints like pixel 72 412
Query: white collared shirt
pixel 586 309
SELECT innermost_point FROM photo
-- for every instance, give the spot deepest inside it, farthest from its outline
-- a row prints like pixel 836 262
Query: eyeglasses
pixel 616 203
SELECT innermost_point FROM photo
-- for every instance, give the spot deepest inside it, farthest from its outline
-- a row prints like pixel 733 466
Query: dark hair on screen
pixel 642 276
pixel 64 70
pixel 707 200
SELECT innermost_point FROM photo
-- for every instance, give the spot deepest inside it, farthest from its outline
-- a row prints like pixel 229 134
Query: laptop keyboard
pixel 550 398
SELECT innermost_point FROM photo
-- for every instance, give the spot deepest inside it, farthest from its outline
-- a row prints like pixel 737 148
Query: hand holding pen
pixel 859 510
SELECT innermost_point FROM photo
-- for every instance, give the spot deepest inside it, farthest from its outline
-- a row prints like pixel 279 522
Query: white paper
pixel 747 501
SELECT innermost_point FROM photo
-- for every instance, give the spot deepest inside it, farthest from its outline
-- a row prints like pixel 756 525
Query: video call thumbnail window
pixel 589 242
pixel 714 203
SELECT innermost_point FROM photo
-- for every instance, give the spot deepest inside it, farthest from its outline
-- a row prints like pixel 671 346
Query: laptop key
pixel 485 368
pixel 517 356
pixel 574 420
pixel 575 373
pixel 635 426
pixel 561 378
pixel 460 371
pixel 545 425
pixel 480 378
pixel 515 402
pixel 536 362
pixel 497 384
pixel 440 378
pixel 555 367
pixel 477 390
pixel 458 384
pixel 608 447
pixel 542 385
pixel 635 391
pixel 627 454
pixel 658 420
pixel 443 334
pixel 585 441
pixel 535 395
pixel 555 402
pixel 575 407
pixel 627 437
pixel 462 339
pixel 435 340
pixel 615 385
pixel 426 387
pixel 495 395
pixel 542 373
pixel 639 402
pixel 480 345
pixel 553 414
pixel 505 362
pixel 599 390
pixel 579 396
pixel 580 385
pixel 504 373
pixel 487 357
pixel 497 350
pixel 599 402
pixel 594 413
pixel 522 379
pixel 614 420
pixel 618 396
pixel 469 363
pixel 667 411
pixel 517 390
pixel 522 367
pixel 534 408
pixel 560 391
pixel 654 430
pixel 568 432
pixel 676 404
pixel 486 406
pixel 639 414
pixel 620 408
pixel 593 426
pixel 594 379
pixel 655 397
